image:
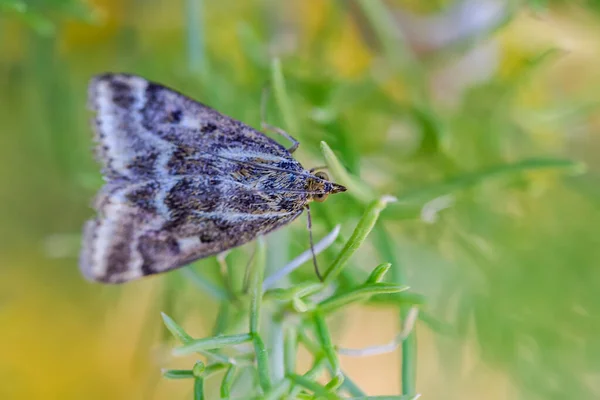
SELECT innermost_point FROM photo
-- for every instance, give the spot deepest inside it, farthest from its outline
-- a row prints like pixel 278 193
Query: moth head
pixel 321 187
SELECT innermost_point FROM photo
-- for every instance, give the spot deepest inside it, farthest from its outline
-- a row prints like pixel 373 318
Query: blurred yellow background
pixel 490 106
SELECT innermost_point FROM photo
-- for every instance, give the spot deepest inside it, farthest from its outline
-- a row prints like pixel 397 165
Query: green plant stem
pixel 409 360
pixel 220 325
pixel 277 256
pixel 195 41
pixel 279 390
pixel 325 339
pixel 257 270
pixel 351 387
pixel 197 345
pixel 282 97
pixel 228 381
pixel 290 341
pixel 409 344
pixel 318 365
pixel 256 275
pixel 199 388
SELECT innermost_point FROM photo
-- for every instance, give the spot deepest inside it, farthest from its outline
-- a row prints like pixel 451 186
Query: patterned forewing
pixel 146 130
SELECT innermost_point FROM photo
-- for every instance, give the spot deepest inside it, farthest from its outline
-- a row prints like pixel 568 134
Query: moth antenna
pixel 312 245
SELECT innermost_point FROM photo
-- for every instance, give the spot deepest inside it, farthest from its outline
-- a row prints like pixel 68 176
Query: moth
pixel 183 181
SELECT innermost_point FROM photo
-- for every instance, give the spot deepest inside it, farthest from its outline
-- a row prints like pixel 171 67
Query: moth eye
pixel 320 197
pixel 322 175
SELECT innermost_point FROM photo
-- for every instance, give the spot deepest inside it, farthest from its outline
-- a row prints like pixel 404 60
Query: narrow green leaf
pixel 216 342
pixel 471 179
pixel 362 293
pixel 406 298
pixel 178 373
pixel 313 387
pixel 379 273
pixel 362 230
pixel 204 284
pixel 335 382
pixel 355 186
pixel 175 329
pixel 183 337
pixel 262 363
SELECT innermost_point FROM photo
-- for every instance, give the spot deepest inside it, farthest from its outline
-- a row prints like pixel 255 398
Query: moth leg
pixel 224 269
pixel 320 167
pixel 279 131
pixel 267 127
pixel 222 262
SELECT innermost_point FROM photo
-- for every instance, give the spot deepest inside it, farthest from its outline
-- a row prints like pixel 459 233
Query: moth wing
pixel 144 129
pixel 132 237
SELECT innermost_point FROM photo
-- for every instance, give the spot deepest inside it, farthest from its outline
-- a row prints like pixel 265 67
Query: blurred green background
pixel 480 116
